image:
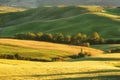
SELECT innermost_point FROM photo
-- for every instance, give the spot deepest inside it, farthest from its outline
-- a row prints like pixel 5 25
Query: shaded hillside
pixel 115 11
pixel 42 13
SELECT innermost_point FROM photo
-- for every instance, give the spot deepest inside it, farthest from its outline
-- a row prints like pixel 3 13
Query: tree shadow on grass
pixel 95 59
pixel 106 77
pixel 76 73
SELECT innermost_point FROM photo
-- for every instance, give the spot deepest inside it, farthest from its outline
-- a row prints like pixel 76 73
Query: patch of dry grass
pixel 114 17
pixel 92 8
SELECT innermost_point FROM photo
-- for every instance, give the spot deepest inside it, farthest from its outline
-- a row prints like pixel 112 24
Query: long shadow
pixel 95 59
pixel 45 75
pixel 106 77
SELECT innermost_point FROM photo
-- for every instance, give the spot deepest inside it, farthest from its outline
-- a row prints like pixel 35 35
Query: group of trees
pixel 77 39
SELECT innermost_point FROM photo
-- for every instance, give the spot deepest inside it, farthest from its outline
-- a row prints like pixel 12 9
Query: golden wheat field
pixel 102 67
pixel 48 46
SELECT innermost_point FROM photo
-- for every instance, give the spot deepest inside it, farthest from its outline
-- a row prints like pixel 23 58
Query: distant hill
pixel 36 3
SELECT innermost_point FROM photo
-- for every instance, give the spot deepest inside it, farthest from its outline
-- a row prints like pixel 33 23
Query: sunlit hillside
pixel 41 50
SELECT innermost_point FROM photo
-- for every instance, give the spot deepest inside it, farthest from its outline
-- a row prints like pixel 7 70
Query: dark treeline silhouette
pixel 111 41
pixel 19 57
pixel 76 39
pixel 114 50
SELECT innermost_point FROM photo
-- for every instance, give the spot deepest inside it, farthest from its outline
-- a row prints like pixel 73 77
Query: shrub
pixel 7 56
pixel 86 44
pixel 18 57
pixel 84 54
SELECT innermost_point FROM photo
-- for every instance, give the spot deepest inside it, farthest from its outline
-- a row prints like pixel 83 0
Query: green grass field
pixel 42 13
pixel 115 11
pixel 106 46
pixel 102 67
pixel 68 20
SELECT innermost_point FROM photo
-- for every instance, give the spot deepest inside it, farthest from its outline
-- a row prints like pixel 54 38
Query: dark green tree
pixel 58 37
pixel 101 40
pixel 68 39
pixel 47 37
pixel 39 36
pixel 30 35
pixel 1 23
pixel 76 39
pixel 94 38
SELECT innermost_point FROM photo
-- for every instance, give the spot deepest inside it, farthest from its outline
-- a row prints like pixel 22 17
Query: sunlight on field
pixel 100 11
pixel 4 9
pixel 92 8
pixel 115 17
pixel 70 70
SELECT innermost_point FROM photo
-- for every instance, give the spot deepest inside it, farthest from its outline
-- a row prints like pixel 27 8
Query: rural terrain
pixel 102 67
pixel 30 50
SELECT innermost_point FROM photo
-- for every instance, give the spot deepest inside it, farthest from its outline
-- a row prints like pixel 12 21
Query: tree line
pixel 76 39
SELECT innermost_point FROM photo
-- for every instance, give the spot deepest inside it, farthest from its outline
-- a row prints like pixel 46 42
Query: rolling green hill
pixel 42 13
pixel 107 47
pixel 115 11
pixel 68 20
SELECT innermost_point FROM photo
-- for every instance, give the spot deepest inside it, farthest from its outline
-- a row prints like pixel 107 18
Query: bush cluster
pixel 84 54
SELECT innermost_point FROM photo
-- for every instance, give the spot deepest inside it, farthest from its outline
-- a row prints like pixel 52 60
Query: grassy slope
pixel 85 23
pixel 102 67
pixel 115 11
pixel 106 47
pixel 74 19
pixel 4 9
pixel 42 13
pixel 42 50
